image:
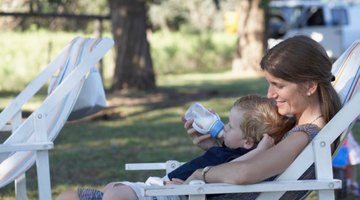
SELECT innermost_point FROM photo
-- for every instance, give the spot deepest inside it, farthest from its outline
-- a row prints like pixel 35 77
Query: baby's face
pixel 233 135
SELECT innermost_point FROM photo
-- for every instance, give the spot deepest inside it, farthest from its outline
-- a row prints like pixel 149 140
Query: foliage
pixel 96 7
pixel 190 16
pixel 185 52
pixel 195 15
pixel 24 54
pixel 167 15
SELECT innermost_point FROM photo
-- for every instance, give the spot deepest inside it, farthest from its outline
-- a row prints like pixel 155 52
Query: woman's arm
pixel 261 166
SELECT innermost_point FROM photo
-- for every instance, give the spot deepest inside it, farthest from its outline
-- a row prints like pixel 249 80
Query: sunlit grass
pixel 201 78
pixel 25 54
pixel 91 154
pixel 94 153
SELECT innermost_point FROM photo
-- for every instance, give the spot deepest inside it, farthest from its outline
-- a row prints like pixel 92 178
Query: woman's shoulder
pixel 311 130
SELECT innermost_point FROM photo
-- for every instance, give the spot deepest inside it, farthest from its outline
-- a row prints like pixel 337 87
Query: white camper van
pixel 334 25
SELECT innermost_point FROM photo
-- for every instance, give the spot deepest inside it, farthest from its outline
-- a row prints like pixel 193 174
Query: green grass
pixel 25 54
pixel 180 53
pixel 93 153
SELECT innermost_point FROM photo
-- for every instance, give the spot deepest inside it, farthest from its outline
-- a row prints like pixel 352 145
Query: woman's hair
pixel 300 59
pixel 261 116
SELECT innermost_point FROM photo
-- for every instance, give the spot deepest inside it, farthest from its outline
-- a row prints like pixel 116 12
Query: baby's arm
pixel 265 143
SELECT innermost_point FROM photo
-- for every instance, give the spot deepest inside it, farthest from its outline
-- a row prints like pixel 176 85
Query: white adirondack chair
pixel 347 71
pixel 31 138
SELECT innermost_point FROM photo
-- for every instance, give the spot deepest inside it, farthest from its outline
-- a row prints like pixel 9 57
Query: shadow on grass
pixel 165 97
pixel 137 127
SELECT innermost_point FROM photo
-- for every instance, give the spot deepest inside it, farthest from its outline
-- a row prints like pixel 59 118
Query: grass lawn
pixel 137 127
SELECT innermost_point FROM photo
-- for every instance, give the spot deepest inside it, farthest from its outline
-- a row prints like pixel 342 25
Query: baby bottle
pixel 205 122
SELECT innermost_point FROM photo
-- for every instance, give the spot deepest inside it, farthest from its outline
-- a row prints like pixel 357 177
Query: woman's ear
pixel 311 87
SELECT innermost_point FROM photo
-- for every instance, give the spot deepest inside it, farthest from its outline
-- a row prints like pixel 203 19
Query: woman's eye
pixel 280 86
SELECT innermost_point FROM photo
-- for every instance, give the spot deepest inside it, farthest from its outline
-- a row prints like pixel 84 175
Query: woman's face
pixel 233 135
pixel 290 97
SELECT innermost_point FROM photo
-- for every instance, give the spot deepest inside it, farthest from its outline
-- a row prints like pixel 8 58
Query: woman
pixel 298 71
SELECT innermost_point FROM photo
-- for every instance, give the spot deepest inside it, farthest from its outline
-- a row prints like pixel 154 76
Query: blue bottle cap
pixel 216 128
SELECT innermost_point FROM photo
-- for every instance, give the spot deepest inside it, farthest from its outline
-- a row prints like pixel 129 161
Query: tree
pixel 133 63
pixel 251 36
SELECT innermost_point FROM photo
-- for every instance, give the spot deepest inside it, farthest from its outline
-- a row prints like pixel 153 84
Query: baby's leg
pixel 118 191
pixel 69 195
pixel 81 194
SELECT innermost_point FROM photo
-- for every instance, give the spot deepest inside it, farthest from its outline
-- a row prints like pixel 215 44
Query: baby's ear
pixel 249 143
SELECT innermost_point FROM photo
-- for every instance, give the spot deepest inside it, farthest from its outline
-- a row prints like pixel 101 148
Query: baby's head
pixel 251 117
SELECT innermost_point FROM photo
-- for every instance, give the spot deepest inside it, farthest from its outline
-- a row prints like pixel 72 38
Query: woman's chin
pixel 282 112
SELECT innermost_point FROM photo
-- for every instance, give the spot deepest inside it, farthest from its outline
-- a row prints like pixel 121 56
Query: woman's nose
pixel 271 93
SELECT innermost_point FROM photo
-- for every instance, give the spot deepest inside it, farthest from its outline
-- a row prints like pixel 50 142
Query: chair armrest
pixel 222 188
pixel 145 166
pixel 6 127
pixel 169 166
pixel 26 147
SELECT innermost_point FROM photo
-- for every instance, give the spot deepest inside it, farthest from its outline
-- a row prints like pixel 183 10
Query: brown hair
pixel 300 59
pixel 261 116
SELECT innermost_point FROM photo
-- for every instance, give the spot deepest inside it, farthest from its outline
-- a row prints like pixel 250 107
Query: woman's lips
pixel 279 103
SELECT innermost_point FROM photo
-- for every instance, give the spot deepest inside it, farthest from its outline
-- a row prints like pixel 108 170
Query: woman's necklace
pixel 318 117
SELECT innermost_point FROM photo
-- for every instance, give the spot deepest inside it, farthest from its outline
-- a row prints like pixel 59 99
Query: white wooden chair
pixel 31 138
pixel 347 71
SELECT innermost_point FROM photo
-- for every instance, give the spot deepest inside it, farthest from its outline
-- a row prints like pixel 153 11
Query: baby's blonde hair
pixel 261 116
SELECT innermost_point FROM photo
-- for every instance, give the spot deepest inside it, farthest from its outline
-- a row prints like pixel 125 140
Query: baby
pixel 250 118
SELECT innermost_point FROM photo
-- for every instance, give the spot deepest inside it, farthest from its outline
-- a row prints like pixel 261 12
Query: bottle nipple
pixel 221 133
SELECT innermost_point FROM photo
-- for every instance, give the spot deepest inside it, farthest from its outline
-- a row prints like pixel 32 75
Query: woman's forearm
pixel 260 166
pixel 221 174
pixel 248 155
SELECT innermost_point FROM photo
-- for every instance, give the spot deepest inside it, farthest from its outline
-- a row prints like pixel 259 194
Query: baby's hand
pixel 266 142
pixel 174 181
pixel 203 141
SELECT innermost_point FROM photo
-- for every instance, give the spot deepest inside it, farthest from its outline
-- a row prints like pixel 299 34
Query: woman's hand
pixel 196 175
pixel 204 141
pixel 265 143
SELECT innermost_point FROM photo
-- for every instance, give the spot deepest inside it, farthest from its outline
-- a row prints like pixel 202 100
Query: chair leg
pixel 43 172
pixel 325 194
pixel 20 187
pixel 323 167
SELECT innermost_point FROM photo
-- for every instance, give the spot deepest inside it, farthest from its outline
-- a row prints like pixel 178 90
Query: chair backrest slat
pixel 34 86
pixel 79 57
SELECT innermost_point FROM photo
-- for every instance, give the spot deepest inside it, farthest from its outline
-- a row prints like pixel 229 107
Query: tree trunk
pixel 133 63
pixel 250 43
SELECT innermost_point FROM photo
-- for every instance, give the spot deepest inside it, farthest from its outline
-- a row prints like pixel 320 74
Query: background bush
pixel 25 54
pixel 175 53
